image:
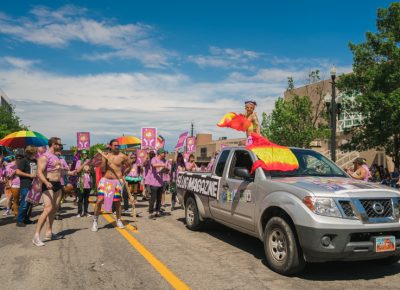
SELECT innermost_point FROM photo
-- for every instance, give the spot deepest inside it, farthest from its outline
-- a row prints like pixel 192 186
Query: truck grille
pixel 347 209
pixel 377 208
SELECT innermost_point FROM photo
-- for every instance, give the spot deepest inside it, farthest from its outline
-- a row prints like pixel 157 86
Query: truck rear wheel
pixel 192 215
pixel 283 254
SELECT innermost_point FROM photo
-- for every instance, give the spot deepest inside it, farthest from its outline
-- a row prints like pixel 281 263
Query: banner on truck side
pixel 199 184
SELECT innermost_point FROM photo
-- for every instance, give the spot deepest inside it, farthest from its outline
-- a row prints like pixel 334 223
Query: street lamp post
pixel 333 110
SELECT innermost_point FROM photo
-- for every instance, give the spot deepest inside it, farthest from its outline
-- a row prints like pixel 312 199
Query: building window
pixel 203 152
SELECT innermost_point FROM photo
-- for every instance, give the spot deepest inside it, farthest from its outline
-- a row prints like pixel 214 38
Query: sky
pixel 113 67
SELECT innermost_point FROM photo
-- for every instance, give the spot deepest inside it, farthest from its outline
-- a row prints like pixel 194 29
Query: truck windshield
pixel 311 163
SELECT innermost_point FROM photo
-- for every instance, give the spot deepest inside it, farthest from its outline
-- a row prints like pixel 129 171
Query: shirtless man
pixel 112 181
pixel 49 173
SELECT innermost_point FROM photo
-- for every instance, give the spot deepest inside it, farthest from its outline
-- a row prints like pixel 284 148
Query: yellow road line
pixel 167 274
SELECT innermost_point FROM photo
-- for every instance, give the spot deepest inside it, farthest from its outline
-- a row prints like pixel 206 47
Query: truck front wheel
pixel 282 252
pixel 192 215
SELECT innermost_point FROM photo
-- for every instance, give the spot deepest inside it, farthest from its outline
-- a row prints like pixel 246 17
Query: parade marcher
pixel 49 173
pixel 133 178
pixel 166 183
pixel 112 182
pixel 26 170
pixel 84 184
pixel 2 176
pixel 178 165
pixel 158 166
pixel 191 164
pixel 146 171
pixel 12 185
pixel 63 180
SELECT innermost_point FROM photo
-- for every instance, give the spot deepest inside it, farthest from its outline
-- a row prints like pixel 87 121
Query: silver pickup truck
pixel 316 213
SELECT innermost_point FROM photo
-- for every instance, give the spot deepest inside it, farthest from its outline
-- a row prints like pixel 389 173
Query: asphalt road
pixel 162 254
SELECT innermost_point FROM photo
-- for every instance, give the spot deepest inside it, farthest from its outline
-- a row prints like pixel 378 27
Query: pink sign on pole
pixel 83 140
pixel 191 144
pixel 140 156
pixel 181 140
pixel 149 138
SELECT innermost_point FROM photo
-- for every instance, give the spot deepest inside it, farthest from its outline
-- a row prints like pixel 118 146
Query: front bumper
pixel 346 244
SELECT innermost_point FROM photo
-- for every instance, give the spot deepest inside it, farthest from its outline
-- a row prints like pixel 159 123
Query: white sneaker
pixel 78 215
pixel 94 226
pixel 120 224
pixel 7 212
pixel 38 242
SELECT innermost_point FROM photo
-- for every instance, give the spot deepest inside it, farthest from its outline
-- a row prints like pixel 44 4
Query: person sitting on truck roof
pixel 252 117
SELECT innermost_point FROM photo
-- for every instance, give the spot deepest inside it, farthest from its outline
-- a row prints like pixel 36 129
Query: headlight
pixel 322 206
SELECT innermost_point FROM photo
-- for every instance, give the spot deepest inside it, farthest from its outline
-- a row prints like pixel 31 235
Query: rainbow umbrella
pixel 127 141
pixel 21 139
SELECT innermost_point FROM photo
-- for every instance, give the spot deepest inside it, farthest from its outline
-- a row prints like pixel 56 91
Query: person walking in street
pixel 133 178
pixel 49 173
pixel 178 165
pixel 112 182
pixel 12 185
pixel 26 170
pixel 84 184
pixel 158 166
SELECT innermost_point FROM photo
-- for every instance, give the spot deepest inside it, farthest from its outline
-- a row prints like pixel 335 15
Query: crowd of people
pixel 118 174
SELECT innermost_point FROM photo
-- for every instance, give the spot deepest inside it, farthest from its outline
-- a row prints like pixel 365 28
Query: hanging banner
pixel 191 144
pixel 160 142
pixel 140 156
pixel 181 140
pixel 83 140
pixel 149 138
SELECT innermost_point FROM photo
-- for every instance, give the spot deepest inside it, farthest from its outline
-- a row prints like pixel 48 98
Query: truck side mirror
pixel 241 172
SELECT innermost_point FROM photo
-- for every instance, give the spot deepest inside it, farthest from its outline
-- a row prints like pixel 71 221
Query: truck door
pixel 236 201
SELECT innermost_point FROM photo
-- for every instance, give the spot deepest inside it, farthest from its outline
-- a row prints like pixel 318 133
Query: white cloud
pixel 111 104
pixel 18 62
pixel 58 28
pixel 226 58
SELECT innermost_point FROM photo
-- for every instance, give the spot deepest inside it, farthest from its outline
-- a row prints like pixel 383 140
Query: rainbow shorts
pixel 109 188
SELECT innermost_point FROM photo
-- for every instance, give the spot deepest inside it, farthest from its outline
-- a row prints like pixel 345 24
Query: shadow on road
pixel 331 271
pixel 367 270
pixel 67 232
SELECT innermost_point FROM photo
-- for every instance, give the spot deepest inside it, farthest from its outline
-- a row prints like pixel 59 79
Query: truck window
pixel 240 159
pixel 219 169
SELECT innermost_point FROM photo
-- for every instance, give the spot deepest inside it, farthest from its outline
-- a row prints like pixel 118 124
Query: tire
pixel 192 217
pixel 282 250
pixel 388 260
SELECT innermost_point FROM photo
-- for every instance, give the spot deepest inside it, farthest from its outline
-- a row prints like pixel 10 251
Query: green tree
pixel 93 149
pixel 291 123
pixel 375 86
pixel 9 121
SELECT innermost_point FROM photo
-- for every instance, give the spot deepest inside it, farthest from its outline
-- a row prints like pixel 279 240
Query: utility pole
pixel 191 130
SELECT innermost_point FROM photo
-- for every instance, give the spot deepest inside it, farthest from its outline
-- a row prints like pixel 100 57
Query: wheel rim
pixel 190 213
pixel 277 245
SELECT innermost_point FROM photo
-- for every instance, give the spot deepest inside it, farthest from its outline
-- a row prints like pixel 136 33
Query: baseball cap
pixel 160 151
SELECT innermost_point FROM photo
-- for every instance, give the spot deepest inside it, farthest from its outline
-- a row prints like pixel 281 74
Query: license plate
pixel 385 244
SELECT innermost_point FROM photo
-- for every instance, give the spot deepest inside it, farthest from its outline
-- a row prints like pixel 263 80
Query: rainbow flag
pixel 235 121
pixel 272 156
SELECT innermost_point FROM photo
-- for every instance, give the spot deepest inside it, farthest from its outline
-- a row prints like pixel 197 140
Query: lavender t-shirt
pixel 153 177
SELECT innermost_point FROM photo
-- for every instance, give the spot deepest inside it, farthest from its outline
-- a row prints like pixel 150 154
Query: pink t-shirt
pixel 167 175
pixel 10 173
pixel 154 177
pixel 368 175
pixel 135 170
pixel 86 180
